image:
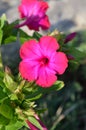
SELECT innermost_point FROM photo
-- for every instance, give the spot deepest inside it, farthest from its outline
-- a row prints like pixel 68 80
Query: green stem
pixel 1 65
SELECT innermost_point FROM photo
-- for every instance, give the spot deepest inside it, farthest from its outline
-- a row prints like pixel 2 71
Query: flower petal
pixel 30 50
pixel 43 6
pixel 33 7
pixel 29 69
pixel 48 44
pixel 23 7
pixel 45 78
pixel 44 22
pixel 59 62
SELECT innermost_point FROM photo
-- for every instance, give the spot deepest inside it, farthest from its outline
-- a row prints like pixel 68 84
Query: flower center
pixel 44 61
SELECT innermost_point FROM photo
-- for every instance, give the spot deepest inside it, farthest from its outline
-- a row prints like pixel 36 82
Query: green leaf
pixel 2 94
pixel 3 20
pixel 34 96
pixel 58 85
pixel 1 73
pixel 11 29
pixel 15 126
pixel 35 122
pixel 6 111
pixel 73 65
pixel 10 39
pixel 1 83
pixel 13 97
pixel 40 91
pixel 3 121
pixel 60 38
pixel 9 82
pixel 37 35
pixel 77 54
pixel 2 127
pixel 22 40
pixel 1 35
pixel 23 36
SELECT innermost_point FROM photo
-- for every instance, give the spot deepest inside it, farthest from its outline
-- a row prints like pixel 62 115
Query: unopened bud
pixel 8 70
pixel 70 57
pixel 70 37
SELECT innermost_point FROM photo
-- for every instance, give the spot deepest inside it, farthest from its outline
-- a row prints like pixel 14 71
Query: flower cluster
pixel 40 60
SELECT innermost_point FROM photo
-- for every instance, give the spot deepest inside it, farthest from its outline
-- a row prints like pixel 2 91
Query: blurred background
pixel 66 15
pixel 66 109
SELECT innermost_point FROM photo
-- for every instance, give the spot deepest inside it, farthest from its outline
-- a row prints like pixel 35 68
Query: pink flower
pixel 41 61
pixel 33 127
pixel 34 13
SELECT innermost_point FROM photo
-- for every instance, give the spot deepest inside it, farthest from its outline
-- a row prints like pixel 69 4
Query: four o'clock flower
pixel 41 62
pixel 34 13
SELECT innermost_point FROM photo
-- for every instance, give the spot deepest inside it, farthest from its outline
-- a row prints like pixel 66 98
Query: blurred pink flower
pixel 41 61
pixel 33 127
pixel 34 13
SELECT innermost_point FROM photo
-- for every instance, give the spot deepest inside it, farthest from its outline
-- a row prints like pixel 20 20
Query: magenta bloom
pixel 41 61
pixel 34 13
